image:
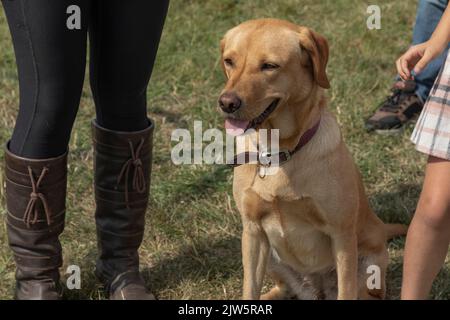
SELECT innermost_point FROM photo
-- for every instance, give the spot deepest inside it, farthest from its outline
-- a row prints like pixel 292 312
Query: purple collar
pixel 263 159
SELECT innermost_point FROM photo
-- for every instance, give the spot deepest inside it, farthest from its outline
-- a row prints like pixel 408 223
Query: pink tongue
pixel 235 127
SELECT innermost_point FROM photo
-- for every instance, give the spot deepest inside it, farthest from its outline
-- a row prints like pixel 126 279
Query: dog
pixel 309 226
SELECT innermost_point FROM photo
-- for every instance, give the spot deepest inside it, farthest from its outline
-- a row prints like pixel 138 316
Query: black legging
pixel 51 59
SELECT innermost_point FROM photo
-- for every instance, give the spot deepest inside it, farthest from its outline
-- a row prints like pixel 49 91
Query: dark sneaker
pixel 398 109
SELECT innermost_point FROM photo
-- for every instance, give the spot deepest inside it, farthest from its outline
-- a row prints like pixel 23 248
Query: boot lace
pixel 31 214
pixel 138 182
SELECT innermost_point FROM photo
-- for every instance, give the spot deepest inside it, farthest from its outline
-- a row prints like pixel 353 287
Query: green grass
pixel 192 243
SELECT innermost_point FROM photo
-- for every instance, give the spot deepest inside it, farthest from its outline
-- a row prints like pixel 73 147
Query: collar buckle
pixel 265 158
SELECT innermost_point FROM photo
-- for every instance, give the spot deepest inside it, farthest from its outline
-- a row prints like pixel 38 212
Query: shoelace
pixel 393 101
pixel 138 182
pixel 31 214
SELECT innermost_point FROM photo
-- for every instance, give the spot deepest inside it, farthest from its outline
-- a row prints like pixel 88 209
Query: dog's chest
pixel 290 217
pixel 280 184
pixel 293 230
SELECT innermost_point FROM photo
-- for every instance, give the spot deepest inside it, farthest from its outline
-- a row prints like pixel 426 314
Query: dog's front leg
pixel 255 252
pixel 346 256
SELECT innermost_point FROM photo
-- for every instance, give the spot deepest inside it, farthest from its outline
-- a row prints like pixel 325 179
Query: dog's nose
pixel 229 102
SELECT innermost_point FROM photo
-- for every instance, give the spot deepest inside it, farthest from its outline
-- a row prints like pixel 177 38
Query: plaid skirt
pixel 432 132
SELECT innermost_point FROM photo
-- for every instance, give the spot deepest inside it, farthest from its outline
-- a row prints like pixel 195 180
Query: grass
pixel 192 242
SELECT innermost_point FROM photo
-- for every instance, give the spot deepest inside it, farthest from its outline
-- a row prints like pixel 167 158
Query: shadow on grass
pixel 91 289
pixel 220 259
pixel 397 205
pixel 211 261
pixel 206 260
pixel 192 186
pixel 439 290
pixel 394 278
pixel 207 183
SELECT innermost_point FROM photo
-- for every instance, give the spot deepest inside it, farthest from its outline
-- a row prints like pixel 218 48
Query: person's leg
pixel 51 63
pixel 407 98
pixel 429 234
pixel 124 42
pixel 429 13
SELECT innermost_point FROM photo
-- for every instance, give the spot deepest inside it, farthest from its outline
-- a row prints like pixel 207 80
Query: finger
pixel 405 68
pixel 422 63
pixel 410 59
pixel 400 69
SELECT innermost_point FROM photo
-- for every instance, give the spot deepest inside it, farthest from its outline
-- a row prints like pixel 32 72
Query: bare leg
pixel 429 234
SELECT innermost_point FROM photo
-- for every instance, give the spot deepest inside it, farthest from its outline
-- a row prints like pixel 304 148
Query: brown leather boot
pixel 122 164
pixel 35 199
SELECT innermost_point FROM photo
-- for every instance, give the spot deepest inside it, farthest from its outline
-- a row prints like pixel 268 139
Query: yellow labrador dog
pixel 309 226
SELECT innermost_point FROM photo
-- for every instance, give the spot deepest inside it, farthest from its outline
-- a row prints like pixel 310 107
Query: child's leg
pixel 429 13
pixel 429 234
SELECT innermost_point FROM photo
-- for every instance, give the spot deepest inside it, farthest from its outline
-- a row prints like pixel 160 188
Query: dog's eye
pixel 228 62
pixel 269 66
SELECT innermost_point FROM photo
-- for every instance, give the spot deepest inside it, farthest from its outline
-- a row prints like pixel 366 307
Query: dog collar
pixel 264 158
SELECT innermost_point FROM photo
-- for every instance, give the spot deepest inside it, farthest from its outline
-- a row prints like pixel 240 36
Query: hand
pixel 418 57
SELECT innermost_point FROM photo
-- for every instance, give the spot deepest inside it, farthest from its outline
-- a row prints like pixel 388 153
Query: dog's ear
pixel 317 48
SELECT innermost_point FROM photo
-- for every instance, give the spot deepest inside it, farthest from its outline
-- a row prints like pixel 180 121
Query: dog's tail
pixel 395 230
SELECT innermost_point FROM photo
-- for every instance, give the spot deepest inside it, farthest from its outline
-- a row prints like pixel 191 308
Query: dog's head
pixel 268 64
